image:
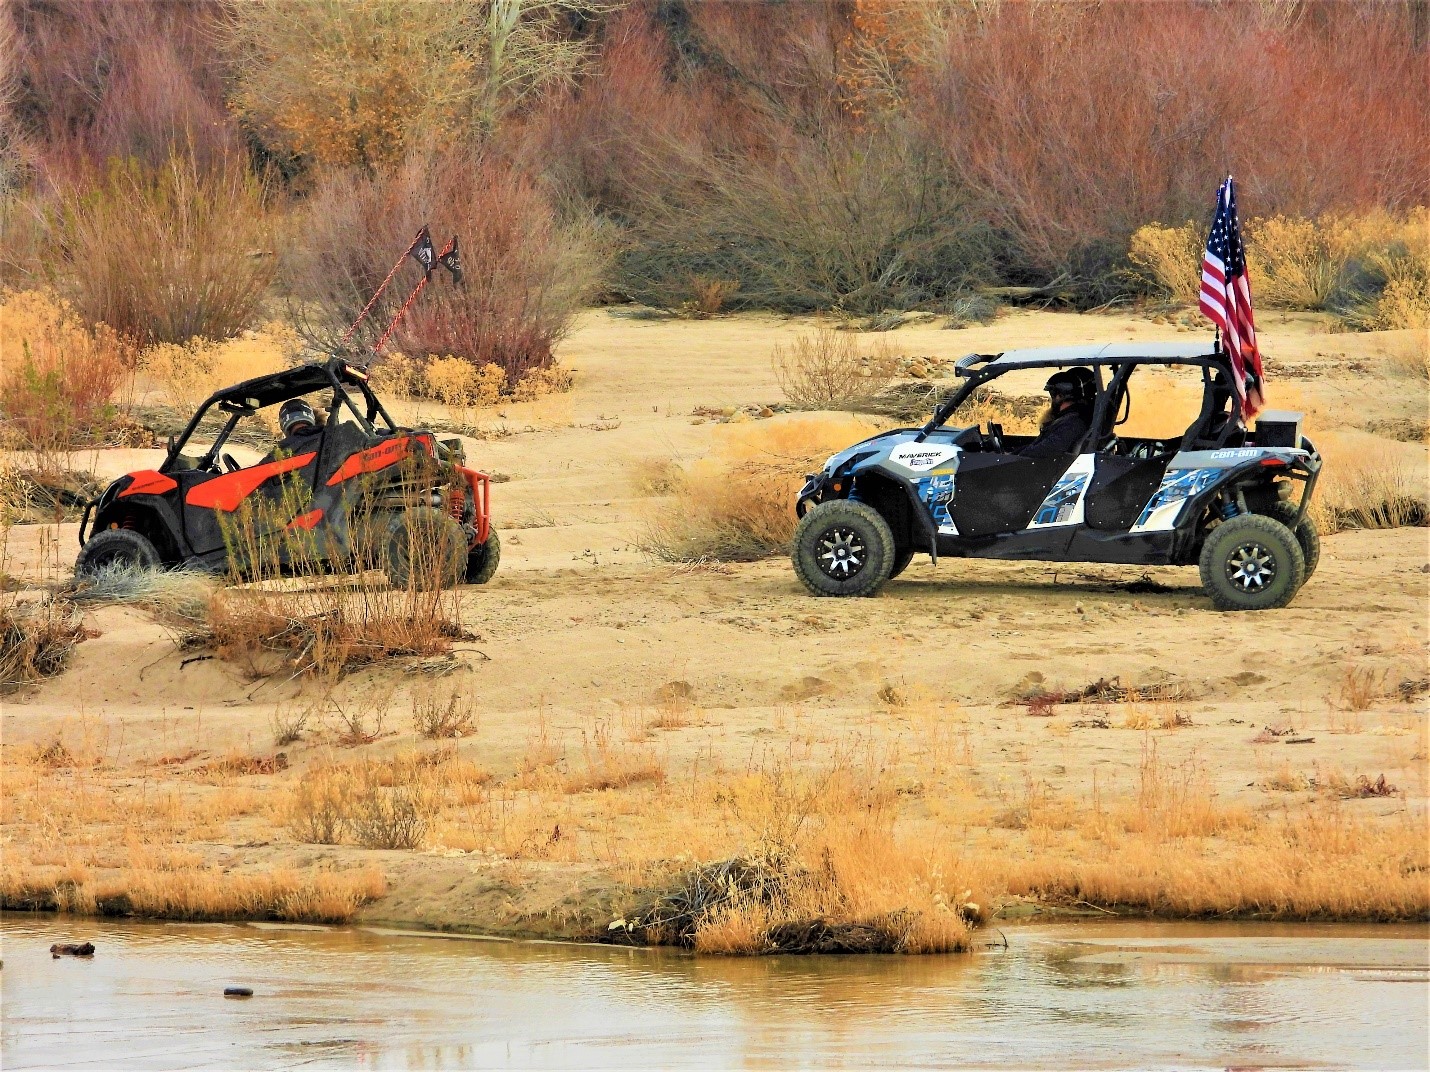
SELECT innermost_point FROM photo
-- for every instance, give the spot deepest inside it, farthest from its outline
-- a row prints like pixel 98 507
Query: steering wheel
pixel 229 464
pixel 995 437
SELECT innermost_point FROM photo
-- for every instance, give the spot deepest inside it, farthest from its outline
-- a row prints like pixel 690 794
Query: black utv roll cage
pixel 978 369
pixel 246 398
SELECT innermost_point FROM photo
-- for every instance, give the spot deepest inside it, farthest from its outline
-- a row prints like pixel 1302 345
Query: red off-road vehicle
pixel 361 492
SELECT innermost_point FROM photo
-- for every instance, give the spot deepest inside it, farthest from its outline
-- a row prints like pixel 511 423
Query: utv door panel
pixel 1120 488
pixel 212 500
pixel 996 493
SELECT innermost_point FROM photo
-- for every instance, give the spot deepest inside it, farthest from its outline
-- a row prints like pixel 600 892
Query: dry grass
pixel 36 640
pixel 828 369
pixel 1407 357
pixel 606 764
pixel 1370 487
pixel 738 505
pixel 187 373
pixel 193 892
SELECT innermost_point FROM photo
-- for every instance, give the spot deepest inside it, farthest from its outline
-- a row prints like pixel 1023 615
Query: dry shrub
pixel 830 216
pixel 1297 263
pixel 739 504
pixel 190 892
pixel 827 369
pixel 165 253
pixel 188 373
pixel 394 817
pixel 1361 686
pixel 1170 258
pixel 319 808
pixel 327 630
pixel 1397 277
pixel 309 82
pixel 444 713
pixel 36 640
pixel 709 296
pixel 59 375
pixel 653 477
pixel 527 270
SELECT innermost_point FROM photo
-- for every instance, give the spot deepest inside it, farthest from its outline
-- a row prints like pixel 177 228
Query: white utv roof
pixel 1091 352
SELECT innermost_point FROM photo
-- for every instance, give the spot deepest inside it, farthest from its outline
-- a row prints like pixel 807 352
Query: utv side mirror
pixel 171 445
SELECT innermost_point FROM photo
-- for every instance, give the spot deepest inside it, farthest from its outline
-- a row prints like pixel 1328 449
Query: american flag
pixel 1226 299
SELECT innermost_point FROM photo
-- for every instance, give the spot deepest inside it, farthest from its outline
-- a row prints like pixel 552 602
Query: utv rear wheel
pixel 425 549
pixel 482 560
pixel 113 549
pixel 1306 535
pixel 843 548
pixel 1251 562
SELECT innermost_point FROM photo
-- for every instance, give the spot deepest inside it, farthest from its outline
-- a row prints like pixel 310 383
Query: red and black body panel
pixel 190 508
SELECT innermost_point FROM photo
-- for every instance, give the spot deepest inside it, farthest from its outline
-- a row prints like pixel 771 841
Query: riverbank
pixel 981 734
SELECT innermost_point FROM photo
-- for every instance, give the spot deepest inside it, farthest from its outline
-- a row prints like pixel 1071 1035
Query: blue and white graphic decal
pixel 1066 502
pixel 1178 485
pixel 936 492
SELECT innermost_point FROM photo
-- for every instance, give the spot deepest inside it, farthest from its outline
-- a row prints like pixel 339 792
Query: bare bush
pixel 526 270
pixel 165 253
pixel 442 714
pixel 390 817
pixel 1080 123
pixel 318 810
pixel 827 369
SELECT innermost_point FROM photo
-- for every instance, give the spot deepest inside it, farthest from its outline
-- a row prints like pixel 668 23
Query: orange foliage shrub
pixel 58 375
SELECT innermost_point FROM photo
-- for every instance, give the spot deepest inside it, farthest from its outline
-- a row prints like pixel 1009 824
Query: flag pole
pixel 378 293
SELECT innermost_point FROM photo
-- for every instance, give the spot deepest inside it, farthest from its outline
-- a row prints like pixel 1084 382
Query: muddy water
pixel 1088 994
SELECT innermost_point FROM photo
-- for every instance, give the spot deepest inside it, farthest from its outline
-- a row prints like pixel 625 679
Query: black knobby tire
pixel 902 557
pixel 1251 562
pixel 482 560
pixel 843 548
pixel 425 549
pixel 117 549
pixel 1306 535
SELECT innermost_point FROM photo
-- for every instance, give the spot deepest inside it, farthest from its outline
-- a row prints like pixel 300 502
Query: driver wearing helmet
pixel 1065 425
pixel 300 428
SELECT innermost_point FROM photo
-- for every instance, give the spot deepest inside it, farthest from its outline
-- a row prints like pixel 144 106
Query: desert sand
pixel 582 638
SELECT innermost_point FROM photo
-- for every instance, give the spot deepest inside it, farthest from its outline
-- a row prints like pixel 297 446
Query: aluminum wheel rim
pixel 841 553
pixel 1251 567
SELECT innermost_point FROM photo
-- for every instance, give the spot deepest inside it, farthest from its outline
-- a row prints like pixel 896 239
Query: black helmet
pixel 1074 385
pixel 295 413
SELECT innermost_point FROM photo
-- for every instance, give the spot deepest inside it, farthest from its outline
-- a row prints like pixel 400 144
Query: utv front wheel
pixel 1306 535
pixel 116 549
pixel 843 548
pixel 1251 562
pixel 425 549
pixel 482 560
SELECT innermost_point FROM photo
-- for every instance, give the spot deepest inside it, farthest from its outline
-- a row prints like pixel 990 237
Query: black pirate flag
pixel 451 260
pixel 422 251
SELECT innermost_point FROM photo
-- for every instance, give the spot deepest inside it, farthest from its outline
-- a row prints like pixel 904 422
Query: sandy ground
pixel 579 629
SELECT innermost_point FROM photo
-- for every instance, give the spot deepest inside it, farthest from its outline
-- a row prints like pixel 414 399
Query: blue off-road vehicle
pixel 1213 494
